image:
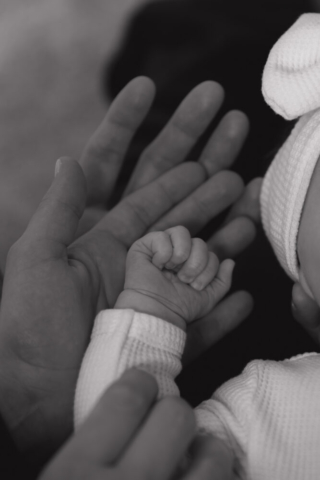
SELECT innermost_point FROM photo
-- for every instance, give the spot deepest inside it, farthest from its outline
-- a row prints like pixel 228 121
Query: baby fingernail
pixel 169 266
pixel 196 285
pixel 183 278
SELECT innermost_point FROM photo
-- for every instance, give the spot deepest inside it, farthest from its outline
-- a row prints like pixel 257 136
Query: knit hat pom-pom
pixel 291 77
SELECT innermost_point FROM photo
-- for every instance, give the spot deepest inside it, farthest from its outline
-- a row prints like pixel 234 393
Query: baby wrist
pixel 145 304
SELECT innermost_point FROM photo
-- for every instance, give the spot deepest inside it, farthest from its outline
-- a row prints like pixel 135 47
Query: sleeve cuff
pixel 146 328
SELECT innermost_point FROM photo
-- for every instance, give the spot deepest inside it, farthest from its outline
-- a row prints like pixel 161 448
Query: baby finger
pixel 221 284
pixel 196 262
pixel 181 246
pixel 208 274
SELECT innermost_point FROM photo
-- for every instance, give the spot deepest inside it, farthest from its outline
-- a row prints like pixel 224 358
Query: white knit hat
pixel 291 76
pixel 291 86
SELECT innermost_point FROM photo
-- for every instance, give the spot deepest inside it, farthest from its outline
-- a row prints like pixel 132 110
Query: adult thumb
pixel 56 220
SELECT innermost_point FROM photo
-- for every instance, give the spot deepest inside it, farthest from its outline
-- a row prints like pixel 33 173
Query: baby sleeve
pixel 228 414
pixel 270 418
pixel 122 339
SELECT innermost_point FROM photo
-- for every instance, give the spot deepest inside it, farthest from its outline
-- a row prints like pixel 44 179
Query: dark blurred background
pixel 180 43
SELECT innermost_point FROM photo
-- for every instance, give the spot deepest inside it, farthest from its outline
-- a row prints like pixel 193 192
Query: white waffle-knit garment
pixel 291 86
pixel 122 339
pixel 269 416
pixel 291 77
pixel 285 187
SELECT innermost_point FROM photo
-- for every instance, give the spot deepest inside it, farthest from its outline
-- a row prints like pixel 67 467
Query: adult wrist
pixel 145 304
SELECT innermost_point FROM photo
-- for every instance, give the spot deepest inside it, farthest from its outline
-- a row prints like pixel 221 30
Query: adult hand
pixel 47 315
pixel 129 436
pixel 53 289
pixel 191 195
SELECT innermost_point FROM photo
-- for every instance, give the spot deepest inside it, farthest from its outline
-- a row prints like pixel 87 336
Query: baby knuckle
pixel 182 230
pixel 164 235
pixel 199 244
pixel 181 256
pixel 163 241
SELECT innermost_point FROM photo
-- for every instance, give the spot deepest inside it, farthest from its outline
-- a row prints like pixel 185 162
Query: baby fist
pixel 174 277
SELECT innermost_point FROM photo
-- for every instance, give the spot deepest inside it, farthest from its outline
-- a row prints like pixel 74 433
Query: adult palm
pixel 54 285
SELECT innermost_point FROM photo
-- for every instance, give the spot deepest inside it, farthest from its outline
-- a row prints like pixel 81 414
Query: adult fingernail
pixel 57 167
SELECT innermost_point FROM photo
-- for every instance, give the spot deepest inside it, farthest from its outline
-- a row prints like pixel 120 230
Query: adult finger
pixel 91 216
pixel 233 238
pixel 103 155
pixel 162 441
pixel 53 226
pixel 107 432
pixel 306 311
pixel 248 204
pixel 227 315
pixel 211 460
pixel 180 134
pixel 225 142
pixel 136 213
pixel 239 229
pixel 205 203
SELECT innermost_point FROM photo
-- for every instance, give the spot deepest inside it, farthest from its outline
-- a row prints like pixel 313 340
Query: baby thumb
pixel 57 217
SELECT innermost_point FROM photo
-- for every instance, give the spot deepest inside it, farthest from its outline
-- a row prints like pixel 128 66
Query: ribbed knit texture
pixel 269 416
pixel 122 339
pixel 291 86
pixel 291 77
pixel 285 187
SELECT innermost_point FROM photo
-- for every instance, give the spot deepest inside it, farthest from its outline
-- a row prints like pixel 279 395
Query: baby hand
pixel 174 277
